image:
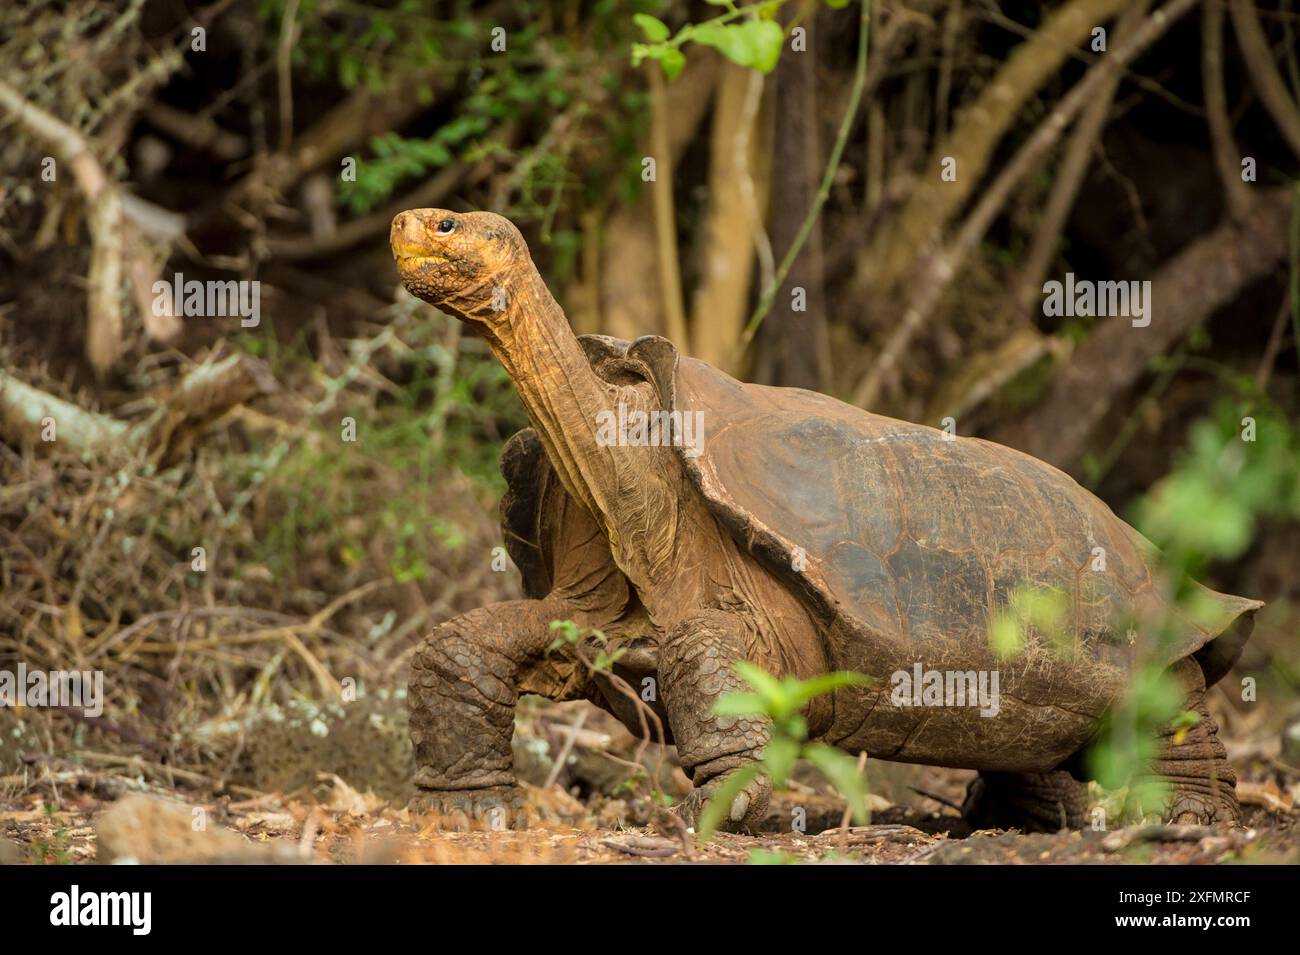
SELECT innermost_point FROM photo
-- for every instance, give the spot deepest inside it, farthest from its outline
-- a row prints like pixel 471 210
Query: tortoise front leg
pixel 696 669
pixel 465 680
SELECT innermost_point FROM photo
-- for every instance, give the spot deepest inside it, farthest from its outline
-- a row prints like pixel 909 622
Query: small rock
pixel 148 830
pixel 10 854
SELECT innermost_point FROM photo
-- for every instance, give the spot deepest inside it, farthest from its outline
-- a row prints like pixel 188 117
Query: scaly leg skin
pixel 465 680
pixel 696 668
pixel 1202 785
pixel 1030 802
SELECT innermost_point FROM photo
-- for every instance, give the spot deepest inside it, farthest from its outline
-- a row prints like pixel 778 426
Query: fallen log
pixel 30 417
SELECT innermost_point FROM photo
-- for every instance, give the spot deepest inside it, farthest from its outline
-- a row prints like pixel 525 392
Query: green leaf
pixel 1044 607
pixel 719 805
pixel 754 43
pixel 766 685
pixel 771 857
pixel 740 704
pixel 1005 637
pixel 672 62
pixel 837 4
pixel 795 727
pixel 842 771
pixel 655 29
pixel 767 38
pixel 778 759
pixel 731 41
pixel 827 683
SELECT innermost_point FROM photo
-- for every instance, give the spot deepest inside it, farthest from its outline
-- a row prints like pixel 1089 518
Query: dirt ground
pixel 293 832
pixel 115 816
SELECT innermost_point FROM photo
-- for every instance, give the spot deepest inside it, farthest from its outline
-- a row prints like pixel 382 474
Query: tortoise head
pixel 459 261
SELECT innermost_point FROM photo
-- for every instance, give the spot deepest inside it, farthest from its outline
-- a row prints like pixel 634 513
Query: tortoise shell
pixel 904 541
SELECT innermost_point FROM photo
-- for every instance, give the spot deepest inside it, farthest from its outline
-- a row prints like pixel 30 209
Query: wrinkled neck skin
pixel 633 492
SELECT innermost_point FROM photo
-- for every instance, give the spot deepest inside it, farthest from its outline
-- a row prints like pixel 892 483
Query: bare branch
pixel 1198 280
pixel 942 268
pixel 114 255
pixel 1268 81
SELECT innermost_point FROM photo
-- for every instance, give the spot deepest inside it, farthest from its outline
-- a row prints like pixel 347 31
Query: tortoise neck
pixel 563 396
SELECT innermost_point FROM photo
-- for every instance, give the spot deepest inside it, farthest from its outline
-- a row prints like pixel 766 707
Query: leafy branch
pixel 755 42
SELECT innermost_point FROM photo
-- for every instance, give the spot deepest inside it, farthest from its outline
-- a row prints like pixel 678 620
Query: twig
pixel 743 154
pixel 288 29
pixel 1263 71
pixel 645 714
pixel 1273 346
pixel 196 131
pixel 99 722
pixel 645 847
pixel 1121 839
pixel 430 193
pixel 1129 429
pixel 865 835
pixel 570 737
pixel 1294 248
pixel 848 810
pixel 936 797
pixel 1235 192
pixel 159 770
pixel 285 633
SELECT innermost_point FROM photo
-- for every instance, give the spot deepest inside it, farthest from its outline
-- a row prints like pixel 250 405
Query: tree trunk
pixel 793 345
pixel 631 302
pixel 719 308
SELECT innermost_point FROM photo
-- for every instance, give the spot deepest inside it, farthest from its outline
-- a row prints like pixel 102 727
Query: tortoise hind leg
pixel 1202 786
pixel 1030 802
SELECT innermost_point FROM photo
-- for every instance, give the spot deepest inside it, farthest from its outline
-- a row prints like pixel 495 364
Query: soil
pixel 101 821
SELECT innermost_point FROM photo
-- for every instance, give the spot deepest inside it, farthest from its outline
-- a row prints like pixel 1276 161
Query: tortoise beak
pixel 409 239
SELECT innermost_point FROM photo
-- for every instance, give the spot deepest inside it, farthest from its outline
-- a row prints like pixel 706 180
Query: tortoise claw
pixel 466 810
pixel 747 810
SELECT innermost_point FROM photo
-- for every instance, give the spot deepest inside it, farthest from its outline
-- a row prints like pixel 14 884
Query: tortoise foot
pixel 1191 763
pixel 748 808
pixel 1030 802
pixel 1202 803
pixel 467 810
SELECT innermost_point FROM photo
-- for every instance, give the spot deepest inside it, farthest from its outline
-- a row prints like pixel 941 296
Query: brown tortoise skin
pixel 807 535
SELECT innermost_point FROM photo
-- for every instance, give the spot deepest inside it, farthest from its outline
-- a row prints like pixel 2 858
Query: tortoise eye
pixel 446 227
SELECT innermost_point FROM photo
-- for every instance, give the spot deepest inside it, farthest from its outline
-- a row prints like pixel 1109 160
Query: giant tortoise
pixel 699 521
